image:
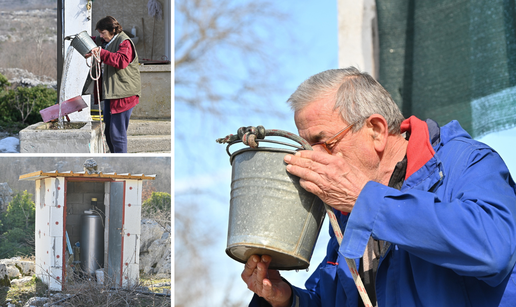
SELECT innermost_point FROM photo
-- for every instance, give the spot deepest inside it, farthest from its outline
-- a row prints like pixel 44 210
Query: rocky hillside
pixel 28 36
pixel 26 4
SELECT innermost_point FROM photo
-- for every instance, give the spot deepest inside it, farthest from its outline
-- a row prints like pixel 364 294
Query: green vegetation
pixel 158 201
pixel 20 106
pixel 21 294
pixel 158 207
pixel 17 227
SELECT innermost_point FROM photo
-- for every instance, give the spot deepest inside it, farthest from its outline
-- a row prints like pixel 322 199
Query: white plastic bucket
pixel 100 276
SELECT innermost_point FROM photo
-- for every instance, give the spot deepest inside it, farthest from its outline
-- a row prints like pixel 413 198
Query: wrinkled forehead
pixel 318 120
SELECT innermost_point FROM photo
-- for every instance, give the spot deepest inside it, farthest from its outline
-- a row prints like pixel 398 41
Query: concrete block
pixel 99 187
pixel 156 98
pixel 38 138
pixel 74 198
pixel 72 220
pixel 84 187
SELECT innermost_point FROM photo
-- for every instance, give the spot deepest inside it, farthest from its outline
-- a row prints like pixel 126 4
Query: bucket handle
pixel 250 136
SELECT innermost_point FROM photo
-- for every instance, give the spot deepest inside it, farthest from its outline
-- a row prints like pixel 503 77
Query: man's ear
pixel 379 131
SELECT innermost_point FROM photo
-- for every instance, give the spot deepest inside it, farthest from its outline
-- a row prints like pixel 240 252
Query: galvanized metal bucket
pixel 270 213
pixel 83 43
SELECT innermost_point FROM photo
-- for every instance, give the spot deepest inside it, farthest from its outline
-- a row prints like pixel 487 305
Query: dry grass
pixel 28 41
pixel 82 293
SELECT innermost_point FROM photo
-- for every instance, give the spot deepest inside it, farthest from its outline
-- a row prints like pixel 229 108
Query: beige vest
pixel 118 83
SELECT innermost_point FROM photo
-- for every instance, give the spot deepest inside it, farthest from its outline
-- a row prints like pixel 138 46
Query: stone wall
pixel 131 13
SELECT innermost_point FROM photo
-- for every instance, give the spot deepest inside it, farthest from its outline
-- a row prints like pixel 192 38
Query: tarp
pixel 450 60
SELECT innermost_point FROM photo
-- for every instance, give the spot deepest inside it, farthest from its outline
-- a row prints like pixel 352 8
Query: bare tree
pixel 225 54
pixel 25 106
pixel 28 41
pixel 226 64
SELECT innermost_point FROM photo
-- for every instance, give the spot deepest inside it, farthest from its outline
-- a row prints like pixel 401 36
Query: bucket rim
pixel 268 149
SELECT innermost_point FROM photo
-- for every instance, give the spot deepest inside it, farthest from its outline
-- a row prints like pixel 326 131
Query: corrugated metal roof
pixel 41 175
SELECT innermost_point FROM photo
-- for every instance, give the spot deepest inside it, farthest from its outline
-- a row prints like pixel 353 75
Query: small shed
pixel 87 223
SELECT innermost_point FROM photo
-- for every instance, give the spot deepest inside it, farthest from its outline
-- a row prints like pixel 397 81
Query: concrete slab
pixel 149 127
pixel 149 143
pixel 37 139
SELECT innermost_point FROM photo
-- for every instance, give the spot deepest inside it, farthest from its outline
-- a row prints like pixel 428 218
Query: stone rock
pixel 27 268
pixel 6 195
pixel 22 281
pixel 155 250
pixel 36 301
pixel 12 271
pixel 22 77
pixel 4 278
pixel 150 231
pixel 91 166
pixel 17 267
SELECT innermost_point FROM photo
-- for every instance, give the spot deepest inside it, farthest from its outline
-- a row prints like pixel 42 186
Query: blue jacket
pixel 452 229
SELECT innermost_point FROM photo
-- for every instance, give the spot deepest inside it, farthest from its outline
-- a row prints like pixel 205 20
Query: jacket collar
pixel 423 166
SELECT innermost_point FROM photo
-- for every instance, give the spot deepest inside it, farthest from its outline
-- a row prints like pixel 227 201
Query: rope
pixel 249 135
pixel 350 262
pixel 96 67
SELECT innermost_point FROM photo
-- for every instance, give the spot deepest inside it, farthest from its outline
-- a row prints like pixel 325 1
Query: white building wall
pixel 132 231
pixel 42 231
pixel 358 41
pixel 56 233
pixel 75 21
pixel 48 239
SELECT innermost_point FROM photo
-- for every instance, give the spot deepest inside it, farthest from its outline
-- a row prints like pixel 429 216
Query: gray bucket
pixel 270 213
pixel 83 43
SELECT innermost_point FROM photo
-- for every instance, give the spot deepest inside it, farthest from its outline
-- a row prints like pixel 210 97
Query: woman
pixel 120 85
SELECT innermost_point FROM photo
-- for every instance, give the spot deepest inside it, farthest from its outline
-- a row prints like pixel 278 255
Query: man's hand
pixel 266 283
pixel 334 181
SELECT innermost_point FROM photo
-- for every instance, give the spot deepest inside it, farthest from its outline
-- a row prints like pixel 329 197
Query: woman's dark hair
pixel 110 24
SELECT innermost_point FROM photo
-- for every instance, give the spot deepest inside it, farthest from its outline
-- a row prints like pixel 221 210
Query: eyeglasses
pixel 330 143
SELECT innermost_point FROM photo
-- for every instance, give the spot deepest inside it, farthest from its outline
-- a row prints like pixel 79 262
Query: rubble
pixel 155 249
pixel 21 77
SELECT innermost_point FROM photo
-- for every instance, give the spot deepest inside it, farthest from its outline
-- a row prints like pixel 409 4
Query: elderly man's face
pixel 318 122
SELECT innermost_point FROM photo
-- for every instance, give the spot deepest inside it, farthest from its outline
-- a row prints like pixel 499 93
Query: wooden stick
pixel 143 38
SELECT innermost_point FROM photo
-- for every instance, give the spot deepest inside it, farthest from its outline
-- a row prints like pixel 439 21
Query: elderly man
pixel 430 213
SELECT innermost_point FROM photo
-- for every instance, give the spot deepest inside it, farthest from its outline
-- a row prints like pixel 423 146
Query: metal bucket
pixel 83 43
pixel 270 213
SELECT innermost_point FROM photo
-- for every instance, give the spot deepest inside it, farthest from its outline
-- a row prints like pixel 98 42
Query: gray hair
pixel 357 95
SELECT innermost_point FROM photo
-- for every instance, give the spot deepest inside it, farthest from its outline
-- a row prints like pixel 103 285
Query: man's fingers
pixel 267 290
pixel 309 186
pixel 250 266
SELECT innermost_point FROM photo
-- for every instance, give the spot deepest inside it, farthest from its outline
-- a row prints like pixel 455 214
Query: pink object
pixel 68 106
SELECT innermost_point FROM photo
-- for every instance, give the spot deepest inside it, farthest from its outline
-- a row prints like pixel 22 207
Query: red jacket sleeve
pixel 119 59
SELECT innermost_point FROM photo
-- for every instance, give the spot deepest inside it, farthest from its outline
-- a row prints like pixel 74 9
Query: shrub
pixel 17 227
pixel 158 201
pixel 3 82
pixel 24 103
pixel 158 207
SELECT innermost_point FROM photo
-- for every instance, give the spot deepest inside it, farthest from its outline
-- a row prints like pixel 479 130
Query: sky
pixel 317 24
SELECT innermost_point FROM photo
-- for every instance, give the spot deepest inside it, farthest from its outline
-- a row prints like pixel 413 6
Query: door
pixel 115 232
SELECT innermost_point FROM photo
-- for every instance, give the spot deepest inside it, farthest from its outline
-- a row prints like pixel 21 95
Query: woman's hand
pixel 95 51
